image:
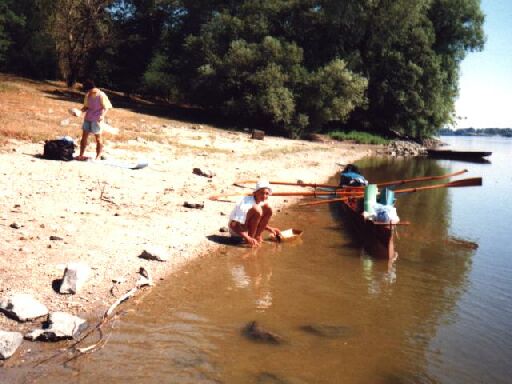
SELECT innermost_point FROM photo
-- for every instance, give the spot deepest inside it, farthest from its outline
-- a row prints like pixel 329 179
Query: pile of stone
pixel 432 143
pixel 56 326
pixel 23 308
pixel 405 148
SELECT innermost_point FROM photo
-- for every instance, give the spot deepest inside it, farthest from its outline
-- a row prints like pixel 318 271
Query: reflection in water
pixel 252 270
pixel 379 278
pixel 428 211
pixel 249 271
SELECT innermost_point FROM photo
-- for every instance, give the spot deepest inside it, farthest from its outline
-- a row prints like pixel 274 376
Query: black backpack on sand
pixel 58 150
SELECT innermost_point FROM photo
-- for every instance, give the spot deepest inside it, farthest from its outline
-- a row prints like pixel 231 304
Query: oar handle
pixel 423 178
pixel 380 185
pixel 299 184
pixel 301 194
pixel 471 182
pixel 323 201
pixel 399 223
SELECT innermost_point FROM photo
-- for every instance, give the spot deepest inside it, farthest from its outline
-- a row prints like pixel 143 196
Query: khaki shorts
pixel 231 232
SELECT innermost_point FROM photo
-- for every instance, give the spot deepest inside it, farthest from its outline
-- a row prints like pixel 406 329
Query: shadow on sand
pixel 156 108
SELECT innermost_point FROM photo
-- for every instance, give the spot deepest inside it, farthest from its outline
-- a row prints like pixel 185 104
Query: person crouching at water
pixel 96 105
pixel 251 216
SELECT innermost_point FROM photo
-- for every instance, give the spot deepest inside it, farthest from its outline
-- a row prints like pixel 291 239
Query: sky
pixel 485 84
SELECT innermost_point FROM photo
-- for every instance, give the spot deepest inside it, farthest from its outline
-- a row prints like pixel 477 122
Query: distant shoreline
pixel 504 132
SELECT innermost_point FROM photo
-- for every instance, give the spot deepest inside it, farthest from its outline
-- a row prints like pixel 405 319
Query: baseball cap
pixel 263 184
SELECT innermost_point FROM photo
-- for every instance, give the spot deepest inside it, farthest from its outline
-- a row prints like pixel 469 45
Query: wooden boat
pixel 376 238
pixel 457 155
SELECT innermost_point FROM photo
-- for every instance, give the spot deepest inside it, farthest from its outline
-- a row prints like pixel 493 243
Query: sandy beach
pixel 106 216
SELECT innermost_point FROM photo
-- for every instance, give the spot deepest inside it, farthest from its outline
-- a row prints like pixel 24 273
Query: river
pixel 439 314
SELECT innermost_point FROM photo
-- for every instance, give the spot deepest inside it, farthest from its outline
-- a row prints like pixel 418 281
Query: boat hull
pixel 457 155
pixel 376 238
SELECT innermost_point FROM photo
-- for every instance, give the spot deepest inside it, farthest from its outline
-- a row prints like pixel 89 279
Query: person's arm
pixel 86 102
pixel 105 103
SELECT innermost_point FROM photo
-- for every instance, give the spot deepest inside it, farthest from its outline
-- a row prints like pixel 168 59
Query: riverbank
pixel 106 216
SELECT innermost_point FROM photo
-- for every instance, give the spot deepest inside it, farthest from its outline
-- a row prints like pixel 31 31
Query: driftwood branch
pixel 103 195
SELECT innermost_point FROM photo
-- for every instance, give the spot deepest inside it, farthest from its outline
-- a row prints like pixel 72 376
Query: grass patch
pixel 358 137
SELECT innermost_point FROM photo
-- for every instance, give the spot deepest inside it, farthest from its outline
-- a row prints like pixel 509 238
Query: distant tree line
pixel 291 66
pixel 507 132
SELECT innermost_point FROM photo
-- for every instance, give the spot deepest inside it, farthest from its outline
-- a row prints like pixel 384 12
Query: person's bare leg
pixel 241 230
pixel 265 218
pixel 83 144
pixel 252 220
pixel 99 146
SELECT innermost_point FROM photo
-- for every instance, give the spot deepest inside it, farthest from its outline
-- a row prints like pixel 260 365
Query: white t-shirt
pixel 239 213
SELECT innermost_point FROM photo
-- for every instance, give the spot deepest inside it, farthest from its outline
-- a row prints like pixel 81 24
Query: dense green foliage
pixel 9 21
pixel 358 137
pixel 288 66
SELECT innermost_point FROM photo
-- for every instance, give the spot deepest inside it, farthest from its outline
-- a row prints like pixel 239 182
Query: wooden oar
pixel 318 202
pixel 471 182
pixel 399 223
pixel 314 185
pixel 423 178
pixel 359 193
pixel 323 202
pixel 380 185
pixel 304 193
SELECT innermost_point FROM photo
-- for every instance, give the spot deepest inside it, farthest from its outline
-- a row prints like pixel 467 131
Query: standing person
pixel 251 216
pixel 96 105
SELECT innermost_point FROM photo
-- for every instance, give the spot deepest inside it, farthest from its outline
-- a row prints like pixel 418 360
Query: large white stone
pixel 61 325
pixel 23 307
pixel 75 276
pixel 9 343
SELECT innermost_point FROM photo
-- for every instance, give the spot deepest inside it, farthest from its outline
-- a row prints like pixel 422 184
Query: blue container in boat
pixel 370 198
pixel 386 197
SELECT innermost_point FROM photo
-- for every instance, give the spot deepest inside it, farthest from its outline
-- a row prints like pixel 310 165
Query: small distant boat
pixel 458 155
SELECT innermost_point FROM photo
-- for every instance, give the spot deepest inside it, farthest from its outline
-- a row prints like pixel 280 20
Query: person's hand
pixel 252 241
pixel 274 231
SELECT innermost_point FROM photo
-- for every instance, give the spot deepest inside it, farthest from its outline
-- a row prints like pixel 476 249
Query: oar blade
pixel 471 182
pixel 422 178
pixel 320 202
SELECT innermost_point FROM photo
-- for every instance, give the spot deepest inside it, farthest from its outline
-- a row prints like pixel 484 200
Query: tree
pixel 411 51
pixel 134 44
pixel 296 66
pixel 80 29
pixel 245 63
pixel 8 20
pixel 31 50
